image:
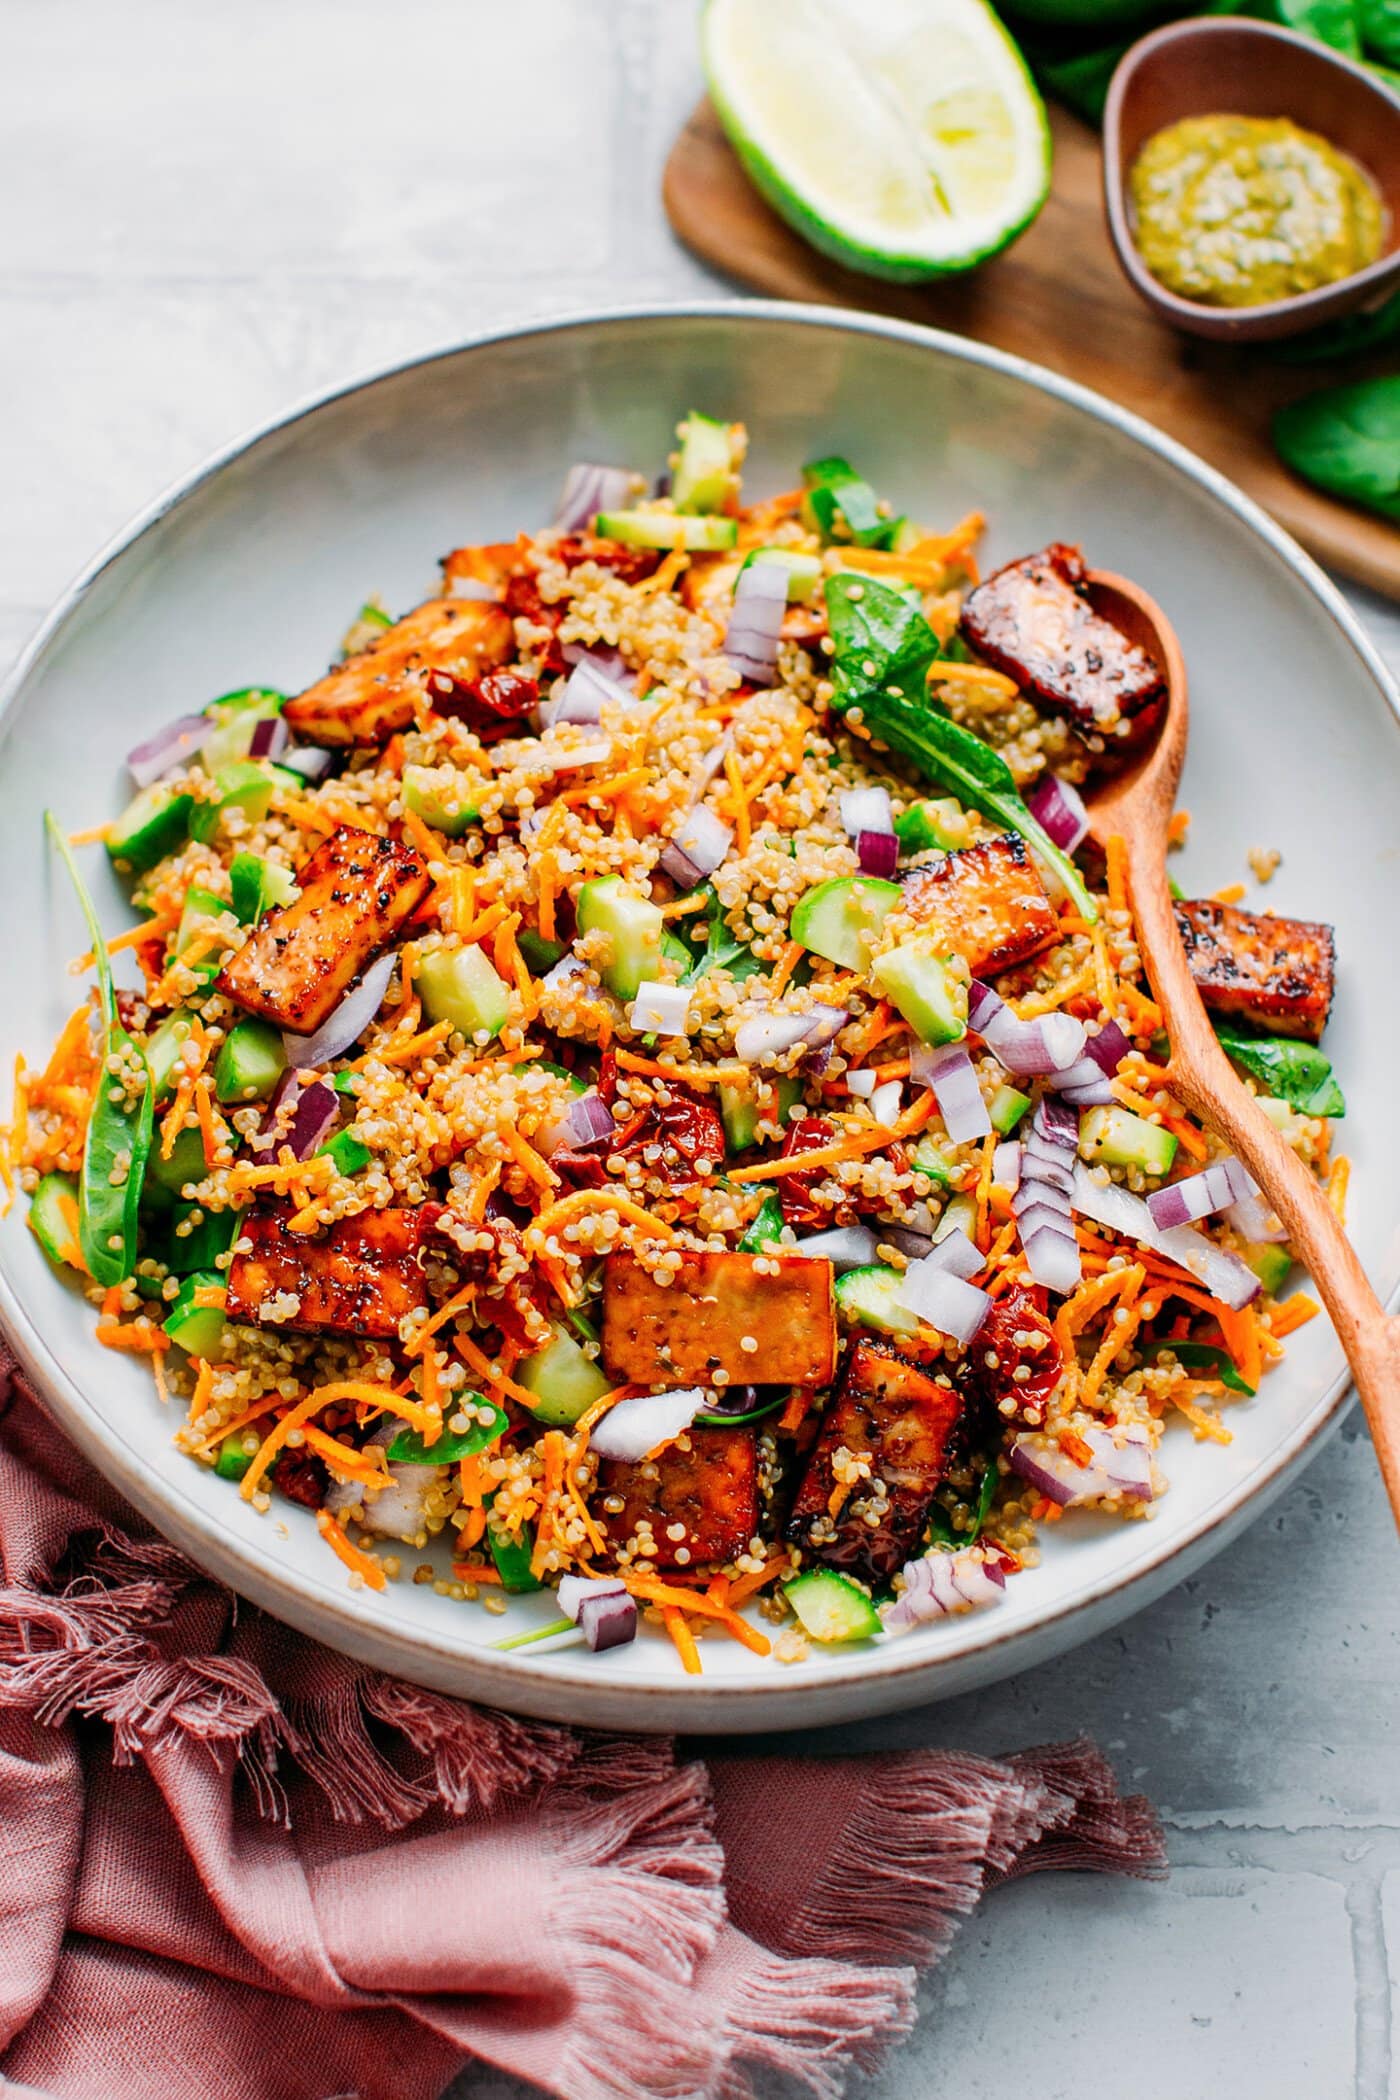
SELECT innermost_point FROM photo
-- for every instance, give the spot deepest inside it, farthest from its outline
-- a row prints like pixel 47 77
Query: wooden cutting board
pixel 1058 298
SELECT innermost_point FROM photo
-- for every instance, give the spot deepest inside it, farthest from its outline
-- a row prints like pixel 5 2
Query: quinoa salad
pixel 639 1082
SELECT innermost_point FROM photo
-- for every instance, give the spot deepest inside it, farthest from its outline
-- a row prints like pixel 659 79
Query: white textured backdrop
pixel 207 211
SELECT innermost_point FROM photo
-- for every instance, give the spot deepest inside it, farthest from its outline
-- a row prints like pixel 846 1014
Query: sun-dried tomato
pixel 1014 1315
pixel 302 1477
pixel 808 1134
pixel 582 1170
pixel 522 601
pixel 629 563
pixel 492 706
pixel 691 1127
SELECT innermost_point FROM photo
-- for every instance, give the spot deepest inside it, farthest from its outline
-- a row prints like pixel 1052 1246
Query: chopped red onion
pixel 1108 1048
pixel 1199 1195
pixel 884 1102
pixel 1084 1084
pixel 1254 1220
pixel 634 1429
pixel 580 756
pixel 1041 1201
pixel 602 655
pixel 477 589
pixel 1117 1468
pixel 1058 808
pixel 1006 1165
pixel 588 1122
pixel 941 1583
pixel 1026 1048
pixel 878 853
pixel 168 748
pixel 955 1252
pixel 711 764
pixel 309 760
pixel 861 1084
pixel 602 1606
pixel 846 1247
pixel 696 848
pixel 764 1037
pixel 269 738
pixel 755 624
pixel 297 1117
pixel 660 1009
pixel 348 1022
pixel 866 809
pixel 1219 1272
pixel 587 490
pixel 949 1072
pixel 574 1588
pixel 909 1242
pixel 933 1293
pixel 587 690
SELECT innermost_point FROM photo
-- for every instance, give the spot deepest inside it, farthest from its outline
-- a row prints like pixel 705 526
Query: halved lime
pixel 903 137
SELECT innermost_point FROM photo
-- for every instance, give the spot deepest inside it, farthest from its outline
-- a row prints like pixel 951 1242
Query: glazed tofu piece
pixel 357 890
pixel 1279 973
pixel 686 1331
pixel 1033 620
pixel 987 901
pixel 370 696
pixel 706 1482
pixel 896 1418
pixel 359 1277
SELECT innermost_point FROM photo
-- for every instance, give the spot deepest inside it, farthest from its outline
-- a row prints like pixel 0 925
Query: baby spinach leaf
pixel 882 641
pixel 940 1524
pixel 1214 1360
pixel 1346 440
pixel 837 495
pixel 1295 1072
pixel 1352 335
pixel 409 1449
pixel 118 1141
pixel 723 949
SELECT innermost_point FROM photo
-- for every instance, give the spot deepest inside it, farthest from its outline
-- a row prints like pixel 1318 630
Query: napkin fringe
pixel 1085 1821
pixel 813 2022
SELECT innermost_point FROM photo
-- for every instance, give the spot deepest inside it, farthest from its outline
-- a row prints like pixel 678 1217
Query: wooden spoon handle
pixel 1205 1080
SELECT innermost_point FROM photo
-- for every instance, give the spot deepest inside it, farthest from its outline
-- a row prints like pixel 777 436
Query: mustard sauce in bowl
pixel 1240 211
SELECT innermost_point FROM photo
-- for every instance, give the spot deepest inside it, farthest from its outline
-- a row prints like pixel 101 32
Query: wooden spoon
pixel 1136 806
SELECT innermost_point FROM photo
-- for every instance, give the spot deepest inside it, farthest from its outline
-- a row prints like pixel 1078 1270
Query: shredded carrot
pixel 430 848
pixel 1116 857
pixel 739 808
pixel 241 1179
pixel 405 1052
pixel 683 1075
pixel 152 929
pixel 664 1593
pixel 854 1147
pixel 1178 827
pixel 581 1200
pixel 1241 1332
pixel 1205 1425
pixel 1231 894
pixel 362 1564
pixel 526 1157
pixel 1073 987
pixel 745 1586
pixel 1294 1312
pixel 498 1381
pixel 361 1466
pixel 1338 1182
pixel 203 1387
pixel 489 920
pixel 791 956
pixel 429 1426
pixel 476 1571
pixel 1121 1326
pixel 674 1622
pixel 95 835
pixel 262 1407
pixel 139 1339
pixel 307 815
pixel 1144 1013
pixel 393 755
pixel 473 1530
pixel 617 784
pixel 981 1230
pixel 204 1109
pixel 482 1191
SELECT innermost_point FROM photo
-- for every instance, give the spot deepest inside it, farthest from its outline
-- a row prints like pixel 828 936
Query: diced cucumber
pixel 199 904
pixel 766 1224
pixel 197 1328
pixel 1279 1113
pixel 344 1083
pixel 351 1154
pixel 185 1164
pixel 545 1064
pixel 512 1553
pixel 839 919
pixel 154 823
pixel 869 1297
pixel 563 1378
pixel 163 1047
pixel 211 1233
pixel 944 824
pixel 539 954
pixel 830 1607
pixel 928 1159
pixel 251 1060
pixel 233 1461
pixel 461 985
pixel 665 528
pixel 1120 1139
pixel 258 885
pixel 247 784
pixel 959 1215
pixel 804 571
pixel 431 799
pixel 741 1110
pixel 922 987
pixel 234 720
pixel 53 1219
pixel 635 927
pixel 1006 1108
pixel 1270 1262
pixel 704 473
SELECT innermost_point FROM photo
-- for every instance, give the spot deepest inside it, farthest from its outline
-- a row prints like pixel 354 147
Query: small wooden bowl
pixel 1233 66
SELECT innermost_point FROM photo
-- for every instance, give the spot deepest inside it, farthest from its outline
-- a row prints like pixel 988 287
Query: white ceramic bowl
pixel 251 571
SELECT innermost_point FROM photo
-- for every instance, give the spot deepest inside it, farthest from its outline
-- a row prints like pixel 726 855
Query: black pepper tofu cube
pixel 696 1502
pixel 1034 621
pixel 735 1317
pixel 864 1498
pixel 987 902
pixel 357 890
pixel 371 695
pixel 1278 973
pixel 359 1277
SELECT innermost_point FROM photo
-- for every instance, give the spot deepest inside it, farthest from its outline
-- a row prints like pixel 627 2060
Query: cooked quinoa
pixel 447 1159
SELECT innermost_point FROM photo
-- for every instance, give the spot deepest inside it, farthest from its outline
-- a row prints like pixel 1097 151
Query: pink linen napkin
pixel 235 1866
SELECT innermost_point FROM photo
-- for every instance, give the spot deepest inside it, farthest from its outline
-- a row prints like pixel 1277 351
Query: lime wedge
pixel 904 137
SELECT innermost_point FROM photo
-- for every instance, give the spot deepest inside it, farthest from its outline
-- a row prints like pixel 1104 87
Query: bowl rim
pixel 1232 323
pixel 338 1615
